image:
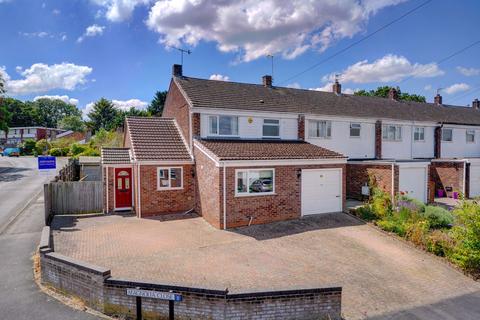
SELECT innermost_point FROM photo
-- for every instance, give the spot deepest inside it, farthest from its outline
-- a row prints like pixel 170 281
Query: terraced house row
pixel 241 154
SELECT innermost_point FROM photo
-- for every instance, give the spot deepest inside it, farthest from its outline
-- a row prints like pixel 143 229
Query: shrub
pixel 417 232
pixel 90 152
pixel 56 152
pixel 439 243
pixel 366 213
pixel 76 149
pixel 466 233
pixel 28 146
pixel 42 146
pixel 410 203
pixel 438 217
pixel 381 203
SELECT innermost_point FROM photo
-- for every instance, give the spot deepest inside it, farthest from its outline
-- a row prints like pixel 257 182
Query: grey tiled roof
pixel 115 156
pixel 266 150
pixel 156 139
pixel 255 97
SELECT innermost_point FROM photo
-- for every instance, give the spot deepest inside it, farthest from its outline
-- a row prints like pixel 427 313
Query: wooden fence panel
pixel 76 197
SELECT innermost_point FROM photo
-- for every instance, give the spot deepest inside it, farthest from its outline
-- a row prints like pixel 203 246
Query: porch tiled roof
pixel 115 156
pixel 156 139
pixel 266 150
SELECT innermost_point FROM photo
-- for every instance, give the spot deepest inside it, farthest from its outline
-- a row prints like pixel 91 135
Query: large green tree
pixel 4 113
pixel 23 114
pixel 51 111
pixel 155 108
pixel 383 93
pixel 103 115
pixel 73 123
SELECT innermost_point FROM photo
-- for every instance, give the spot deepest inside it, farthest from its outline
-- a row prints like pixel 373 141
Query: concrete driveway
pixel 382 278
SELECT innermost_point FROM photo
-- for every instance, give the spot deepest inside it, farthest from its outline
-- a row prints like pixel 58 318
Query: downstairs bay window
pixel 169 178
pixel 254 182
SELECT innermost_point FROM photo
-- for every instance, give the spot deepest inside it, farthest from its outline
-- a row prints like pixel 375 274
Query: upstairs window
pixel 471 136
pixel 447 135
pixel 271 128
pixel 319 129
pixel 355 130
pixel 419 134
pixel 392 133
pixel 223 125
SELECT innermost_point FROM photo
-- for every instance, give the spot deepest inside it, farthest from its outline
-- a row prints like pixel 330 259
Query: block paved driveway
pixel 382 278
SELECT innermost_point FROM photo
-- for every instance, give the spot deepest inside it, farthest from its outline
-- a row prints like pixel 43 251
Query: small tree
pixel 42 146
pixel 28 146
pixel 73 123
pixel 103 115
pixel 156 106
pixel 383 93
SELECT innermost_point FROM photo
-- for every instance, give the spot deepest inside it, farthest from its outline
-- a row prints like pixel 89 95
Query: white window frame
pixel 421 130
pixel 443 136
pixel 470 132
pixel 160 188
pixel 217 116
pixel 398 135
pixel 316 123
pixel 253 194
pixel 359 129
pixel 271 125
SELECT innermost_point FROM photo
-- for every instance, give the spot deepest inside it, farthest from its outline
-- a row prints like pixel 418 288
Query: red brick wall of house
pixel 156 202
pixel 41 133
pixel 301 127
pixel 378 139
pixel 196 124
pixel 447 174
pixel 177 107
pixel 359 174
pixel 284 205
pixel 209 182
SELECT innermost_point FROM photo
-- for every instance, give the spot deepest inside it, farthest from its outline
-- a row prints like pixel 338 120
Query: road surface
pixel 21 222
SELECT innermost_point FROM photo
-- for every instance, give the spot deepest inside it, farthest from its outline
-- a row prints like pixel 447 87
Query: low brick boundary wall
pixel 95 286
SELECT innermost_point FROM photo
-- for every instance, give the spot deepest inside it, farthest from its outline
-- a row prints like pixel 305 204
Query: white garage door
pixel 474 181
pixel 414 182
pixel 321 191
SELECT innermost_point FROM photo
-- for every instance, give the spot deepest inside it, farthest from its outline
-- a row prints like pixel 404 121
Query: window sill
pixel 322 138
pixel 259 194
pixel 355 137
pixel 167 189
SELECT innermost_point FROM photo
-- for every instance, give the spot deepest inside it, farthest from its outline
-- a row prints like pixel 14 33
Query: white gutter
pixel 224 199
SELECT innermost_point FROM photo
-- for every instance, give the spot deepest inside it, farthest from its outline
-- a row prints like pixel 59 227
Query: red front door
pixel 123 187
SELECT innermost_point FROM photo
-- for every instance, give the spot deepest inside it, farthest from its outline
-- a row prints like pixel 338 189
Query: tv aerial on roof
pixel 182 51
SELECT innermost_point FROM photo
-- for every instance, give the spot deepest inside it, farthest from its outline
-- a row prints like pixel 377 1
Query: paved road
pixel 20 297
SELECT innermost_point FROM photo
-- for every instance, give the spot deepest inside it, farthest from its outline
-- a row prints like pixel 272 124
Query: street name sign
pixel 47 163
pixel 154 294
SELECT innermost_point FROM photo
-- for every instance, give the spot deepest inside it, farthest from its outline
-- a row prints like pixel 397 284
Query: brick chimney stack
pixel 476 104
pixel 337 88
pixel 438 99
pixel 267 80
pixel 393 94
pixel 177 70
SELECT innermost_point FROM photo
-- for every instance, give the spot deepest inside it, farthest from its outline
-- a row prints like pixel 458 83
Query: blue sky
pixel 121 49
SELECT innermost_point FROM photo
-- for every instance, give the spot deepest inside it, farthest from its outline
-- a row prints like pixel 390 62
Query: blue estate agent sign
pixel 154 294
pixel 47 162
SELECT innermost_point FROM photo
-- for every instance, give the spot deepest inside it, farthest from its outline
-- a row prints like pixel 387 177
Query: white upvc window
pixel 319 129
pixel 169 178
pixel 447 134
pixel 271 128
pixel 419 134
pixel 251 182
pixel 355 129
pixel 392 133
pixel 222 125
pixel 470 136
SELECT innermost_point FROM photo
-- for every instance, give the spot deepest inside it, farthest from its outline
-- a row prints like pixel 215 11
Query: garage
pixel 413 180
pixel 321 191
pixel 474 182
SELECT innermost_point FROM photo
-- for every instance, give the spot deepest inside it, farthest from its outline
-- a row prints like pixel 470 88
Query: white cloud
pixel 92 31
pixel 294 85
pixel 428 87
pixel 120 10
pixel 41 77
pixel 38 34
pixel 255 28
pixel 457 87
pixel 56 12
pixel 64 98
pixel 468 71
pixel 329 88
pixel 219 77
pixel 127 104
pixel 390 68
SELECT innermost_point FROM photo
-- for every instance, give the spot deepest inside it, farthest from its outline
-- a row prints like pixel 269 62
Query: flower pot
pixel 455 195
pixel 440 193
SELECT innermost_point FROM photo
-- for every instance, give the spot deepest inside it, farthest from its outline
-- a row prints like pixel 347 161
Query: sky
pixel 123 50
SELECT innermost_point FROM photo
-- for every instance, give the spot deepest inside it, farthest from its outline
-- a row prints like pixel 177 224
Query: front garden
pixel 453 234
